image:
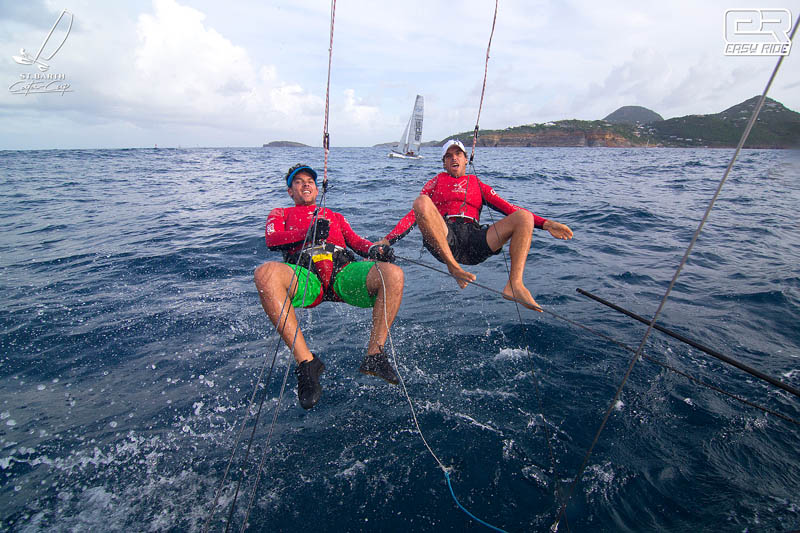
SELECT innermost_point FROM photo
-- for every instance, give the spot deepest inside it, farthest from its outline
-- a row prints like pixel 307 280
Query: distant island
pixel 635 126
pixel 284 144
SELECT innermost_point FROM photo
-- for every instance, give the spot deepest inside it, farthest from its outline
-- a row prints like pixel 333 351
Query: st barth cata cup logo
pixel 43 82
pixel 45 54
pixel 757 32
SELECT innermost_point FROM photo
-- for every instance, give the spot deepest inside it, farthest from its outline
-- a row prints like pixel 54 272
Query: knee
pixel 393 275
pixel 422 204
pixel 525 218
pixel 264 273
pixel 398 276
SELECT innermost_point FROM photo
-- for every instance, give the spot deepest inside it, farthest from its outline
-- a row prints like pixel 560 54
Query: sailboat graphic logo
pixel 44 54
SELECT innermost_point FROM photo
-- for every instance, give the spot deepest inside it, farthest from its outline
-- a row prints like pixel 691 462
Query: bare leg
pixel 272 281
pixel 518 227
pixel 434 231
pixel 394 279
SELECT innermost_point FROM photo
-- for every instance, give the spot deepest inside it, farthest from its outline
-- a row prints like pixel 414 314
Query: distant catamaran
pixel 408 147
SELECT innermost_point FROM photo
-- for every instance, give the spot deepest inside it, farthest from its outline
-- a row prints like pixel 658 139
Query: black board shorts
pixel 467 241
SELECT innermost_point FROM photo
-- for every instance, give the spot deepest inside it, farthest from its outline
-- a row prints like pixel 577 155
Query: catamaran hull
pixel 404 156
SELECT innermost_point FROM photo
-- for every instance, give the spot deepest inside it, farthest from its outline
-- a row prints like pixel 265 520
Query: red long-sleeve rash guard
pixel 458 196
pixel 287 227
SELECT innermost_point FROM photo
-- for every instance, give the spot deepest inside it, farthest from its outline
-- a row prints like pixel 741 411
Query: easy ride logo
pixel 757 32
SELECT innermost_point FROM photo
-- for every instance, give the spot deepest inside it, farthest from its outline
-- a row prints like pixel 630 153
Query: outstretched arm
pixel 355 241
pixel 496 202
pixel 493 200
pixel 408 222
pixel 401 229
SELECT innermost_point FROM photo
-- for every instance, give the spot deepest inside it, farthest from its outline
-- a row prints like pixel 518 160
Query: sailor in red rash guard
pixel 320 266
pixel 286 231
pixel 448 213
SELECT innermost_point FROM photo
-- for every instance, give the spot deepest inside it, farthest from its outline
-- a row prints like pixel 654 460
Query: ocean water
pixel 131 338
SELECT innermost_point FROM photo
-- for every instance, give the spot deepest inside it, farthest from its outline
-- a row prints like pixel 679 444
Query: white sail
pixel 409 143
pixel 403 145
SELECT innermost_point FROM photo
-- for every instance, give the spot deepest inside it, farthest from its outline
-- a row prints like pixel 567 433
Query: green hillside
pixel 777 127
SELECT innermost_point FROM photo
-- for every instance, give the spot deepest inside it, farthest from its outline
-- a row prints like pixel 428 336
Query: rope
pixel 547 435
pixel 258 383
pixel 687 376
pixel 614 341
pixel 389 336
pixel 724 358
pixel 483 90
pixel 283 384
pixel 259 380
pixel 402 381
pixel 326 138
pixel 447 477
pixel 633 360
pixel 326 147
pixel 279 329
pixel 414 414
pixel 485 287
pixel 269 439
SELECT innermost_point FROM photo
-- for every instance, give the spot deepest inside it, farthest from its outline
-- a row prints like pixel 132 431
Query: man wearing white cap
pixel 448 212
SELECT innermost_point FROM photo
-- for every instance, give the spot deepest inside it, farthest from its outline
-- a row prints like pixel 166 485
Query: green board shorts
pixel 350 284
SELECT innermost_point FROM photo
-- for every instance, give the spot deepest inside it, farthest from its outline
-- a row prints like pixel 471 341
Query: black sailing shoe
pixel 308 388
pixel 378 365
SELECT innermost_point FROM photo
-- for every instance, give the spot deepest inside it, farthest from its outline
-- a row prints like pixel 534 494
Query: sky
pixel 243 73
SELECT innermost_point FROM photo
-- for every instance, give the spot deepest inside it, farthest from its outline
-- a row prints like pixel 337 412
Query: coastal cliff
pixel 777 127
pixel 556 136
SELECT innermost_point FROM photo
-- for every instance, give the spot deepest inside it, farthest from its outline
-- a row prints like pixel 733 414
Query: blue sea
pixel 131 339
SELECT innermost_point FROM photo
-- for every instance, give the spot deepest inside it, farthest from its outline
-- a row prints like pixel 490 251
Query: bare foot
pixel 519 293
pixel 463 278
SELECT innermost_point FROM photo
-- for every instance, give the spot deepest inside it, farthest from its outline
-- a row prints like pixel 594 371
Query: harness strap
pixel 337 255
pixel 460 218
pixel 324 247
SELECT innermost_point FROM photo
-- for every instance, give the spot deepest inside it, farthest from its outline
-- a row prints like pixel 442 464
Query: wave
pixel 132 339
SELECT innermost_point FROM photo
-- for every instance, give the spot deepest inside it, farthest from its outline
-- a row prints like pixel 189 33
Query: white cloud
pixel 361 115
pixel 189 71
pixel 201 72
pixel 187 64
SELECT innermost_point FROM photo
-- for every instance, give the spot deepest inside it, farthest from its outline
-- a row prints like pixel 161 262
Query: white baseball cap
pixel 453 142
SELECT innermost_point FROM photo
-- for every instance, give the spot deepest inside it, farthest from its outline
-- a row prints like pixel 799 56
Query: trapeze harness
pixel 286 230
pixel 458 200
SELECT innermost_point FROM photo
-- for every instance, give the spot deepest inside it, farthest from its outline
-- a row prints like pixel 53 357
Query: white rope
pixel 402 381
pixel 682 263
